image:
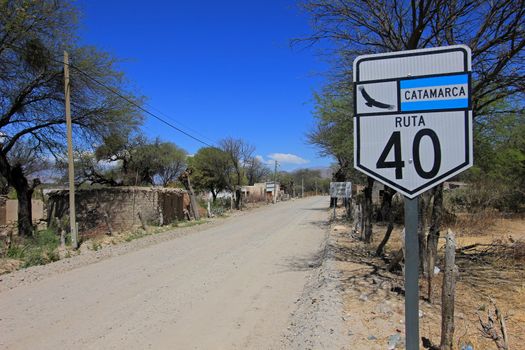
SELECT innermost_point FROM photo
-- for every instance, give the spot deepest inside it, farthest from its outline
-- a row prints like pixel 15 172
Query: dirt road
pixel 233 286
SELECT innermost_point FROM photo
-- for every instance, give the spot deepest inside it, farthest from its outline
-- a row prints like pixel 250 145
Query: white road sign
pixel 413 118
pixel 340 189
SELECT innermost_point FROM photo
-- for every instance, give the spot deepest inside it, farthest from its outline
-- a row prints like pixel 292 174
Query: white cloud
pixel 287 158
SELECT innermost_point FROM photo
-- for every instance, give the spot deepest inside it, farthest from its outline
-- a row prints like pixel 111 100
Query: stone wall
pixel 118 207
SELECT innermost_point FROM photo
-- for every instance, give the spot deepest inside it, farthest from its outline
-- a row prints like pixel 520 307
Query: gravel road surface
pixel 242 284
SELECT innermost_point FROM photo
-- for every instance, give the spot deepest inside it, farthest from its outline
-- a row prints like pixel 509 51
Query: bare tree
pixel 494 31
pixel 33 35
pixel 240 154
pixel 256 171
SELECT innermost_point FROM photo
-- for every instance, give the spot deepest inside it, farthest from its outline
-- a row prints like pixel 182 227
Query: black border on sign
pixel 466 117
pixel 398 81
pixel 375 58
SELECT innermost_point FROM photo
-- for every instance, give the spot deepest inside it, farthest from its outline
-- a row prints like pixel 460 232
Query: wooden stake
pixel 447 294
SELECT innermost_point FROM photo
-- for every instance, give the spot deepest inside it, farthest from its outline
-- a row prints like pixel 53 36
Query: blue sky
pixel 216 69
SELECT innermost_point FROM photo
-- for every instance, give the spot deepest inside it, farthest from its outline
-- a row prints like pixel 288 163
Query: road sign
pixel 270 187
pixel 340 189
pixel 413 118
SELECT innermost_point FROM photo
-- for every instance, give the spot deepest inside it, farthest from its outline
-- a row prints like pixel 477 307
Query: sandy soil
pixel 276 277
pixel 374 300
pixel 237 285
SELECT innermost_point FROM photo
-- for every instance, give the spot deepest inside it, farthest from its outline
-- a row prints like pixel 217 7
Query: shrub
pixel 37 250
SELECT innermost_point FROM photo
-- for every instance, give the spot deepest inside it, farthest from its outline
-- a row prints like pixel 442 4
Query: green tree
pixel 492 29
pixel 499 165
pixel 211 170
pixel 311 179
pixel 333 131
pixel 171 162
pixel 286 182
pixel 157 160
pixel 116 161
pixel 33 35
pixel 130 161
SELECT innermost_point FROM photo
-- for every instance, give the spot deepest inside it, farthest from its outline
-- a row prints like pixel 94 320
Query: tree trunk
pixel 238 198
pixel 381 246
pixel 388 193
pixel 368 210
pixel 25 225
pixel 185 179
pixel 24 193
pixel 433 235
pixel 349 209
pixel 362 218
pixel 193 200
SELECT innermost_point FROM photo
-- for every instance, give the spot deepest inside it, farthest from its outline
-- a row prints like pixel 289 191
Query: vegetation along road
pixel 232 286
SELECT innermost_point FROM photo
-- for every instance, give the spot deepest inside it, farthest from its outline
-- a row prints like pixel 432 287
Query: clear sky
pixel 216 69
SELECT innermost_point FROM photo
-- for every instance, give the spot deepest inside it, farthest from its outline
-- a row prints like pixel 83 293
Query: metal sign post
pixel 339 190
pixel 413 131
pixel 411 274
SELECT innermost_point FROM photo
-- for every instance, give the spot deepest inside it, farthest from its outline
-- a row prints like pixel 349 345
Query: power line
pixel 179 123
pixel 133 103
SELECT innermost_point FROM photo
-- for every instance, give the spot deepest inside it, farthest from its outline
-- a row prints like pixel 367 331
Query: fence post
pixel 447 296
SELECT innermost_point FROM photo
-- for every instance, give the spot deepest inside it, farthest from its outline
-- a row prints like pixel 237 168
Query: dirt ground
pixel 296 281
pixel 230 285
pixel 374 301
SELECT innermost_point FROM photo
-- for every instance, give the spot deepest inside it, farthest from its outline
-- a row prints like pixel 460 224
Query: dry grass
pixel 485 272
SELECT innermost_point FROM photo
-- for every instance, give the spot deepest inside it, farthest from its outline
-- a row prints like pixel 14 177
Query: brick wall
pixel 120 206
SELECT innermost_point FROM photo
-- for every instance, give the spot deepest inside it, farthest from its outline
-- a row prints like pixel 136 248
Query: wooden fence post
pixel 448 291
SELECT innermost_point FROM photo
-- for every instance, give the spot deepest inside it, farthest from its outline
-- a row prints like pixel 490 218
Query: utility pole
pixel 71 167
pixel 302 187
pixel 275 183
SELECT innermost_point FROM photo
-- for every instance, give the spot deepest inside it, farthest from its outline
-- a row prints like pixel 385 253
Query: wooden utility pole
pixel 71 167
pixel 275 183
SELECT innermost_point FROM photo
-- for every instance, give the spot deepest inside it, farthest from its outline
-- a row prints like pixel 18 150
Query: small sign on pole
pixel 413 131
pixel 339 190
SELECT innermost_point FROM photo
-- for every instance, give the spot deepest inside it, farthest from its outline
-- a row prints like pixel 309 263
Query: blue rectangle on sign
pixel 435 93
pixel 431 105
pixel 435 81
